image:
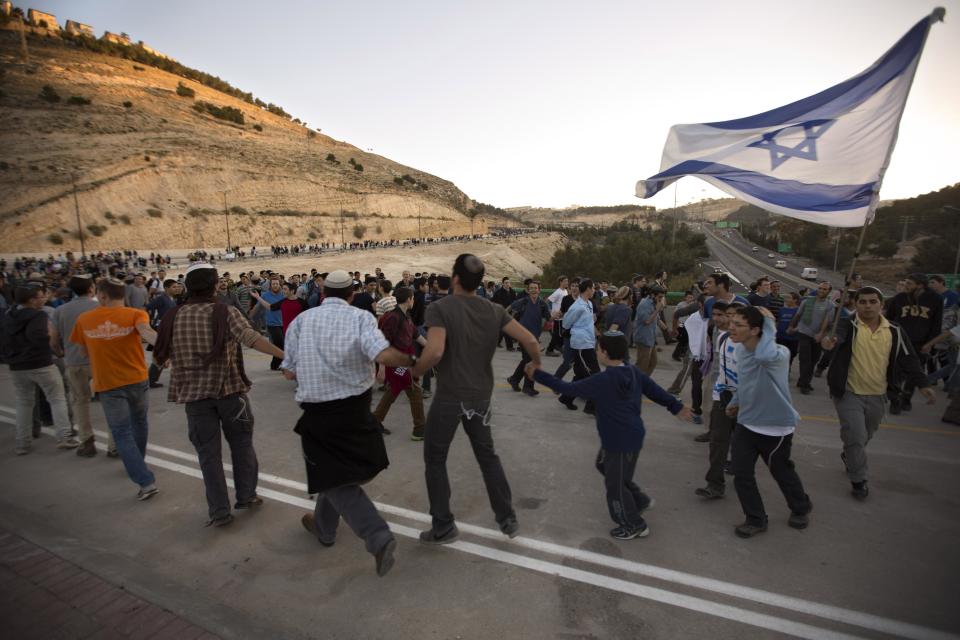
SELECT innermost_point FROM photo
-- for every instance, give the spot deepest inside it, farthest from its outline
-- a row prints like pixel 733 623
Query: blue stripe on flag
pixel 841 97
pixel 791 194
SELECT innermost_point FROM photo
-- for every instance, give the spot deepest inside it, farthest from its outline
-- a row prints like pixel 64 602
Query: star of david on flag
pixel 820 159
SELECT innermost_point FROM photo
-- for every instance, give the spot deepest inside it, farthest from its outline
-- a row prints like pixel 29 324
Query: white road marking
pixel 798 605
pixel 9 410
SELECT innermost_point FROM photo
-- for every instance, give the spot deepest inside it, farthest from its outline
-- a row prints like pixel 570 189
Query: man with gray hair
pixel 330 351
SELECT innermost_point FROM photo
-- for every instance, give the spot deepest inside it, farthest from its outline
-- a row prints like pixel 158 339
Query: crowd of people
pixel 72 336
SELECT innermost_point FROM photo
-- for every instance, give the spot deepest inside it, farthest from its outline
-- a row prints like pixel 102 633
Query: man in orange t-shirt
pixel 111 335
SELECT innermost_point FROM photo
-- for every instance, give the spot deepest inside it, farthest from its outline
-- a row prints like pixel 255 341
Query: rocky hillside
pixel 152 161
pixel 709 209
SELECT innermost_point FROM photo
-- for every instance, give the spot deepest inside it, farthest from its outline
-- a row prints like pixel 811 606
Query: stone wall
pixel 6 8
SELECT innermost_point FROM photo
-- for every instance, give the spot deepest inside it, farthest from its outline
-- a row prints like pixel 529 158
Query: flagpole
pixel 936 15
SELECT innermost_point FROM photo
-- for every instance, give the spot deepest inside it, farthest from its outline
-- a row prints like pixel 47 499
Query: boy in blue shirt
pixel 617 393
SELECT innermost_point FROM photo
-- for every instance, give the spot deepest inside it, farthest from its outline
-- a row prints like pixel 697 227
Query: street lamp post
pixel 836 252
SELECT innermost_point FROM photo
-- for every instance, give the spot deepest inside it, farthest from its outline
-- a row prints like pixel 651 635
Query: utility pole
pixel 76 208
pixel 226 216
pixel 343 244
pixel 419 229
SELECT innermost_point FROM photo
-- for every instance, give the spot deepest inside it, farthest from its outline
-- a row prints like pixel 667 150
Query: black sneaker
pixel 747 530
pixel 255 501
pixel 514 385
pixel 220 522
pixel 843 459
pixel 818 373
pixel 806 390
pixel 860 491
pixel 430 536
pixel 906 405
pixel 590 411
pixel 510 527
pixel 894 408
pixel 385 557
pixel 702 437
pixel 384 430
pixel 798 520
pixel 569 405
pixel 629 533
pixel 710 492
pixel 530 391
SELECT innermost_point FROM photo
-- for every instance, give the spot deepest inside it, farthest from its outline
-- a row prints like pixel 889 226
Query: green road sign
pixel 722 224
pixel 734 225
pixel 785 247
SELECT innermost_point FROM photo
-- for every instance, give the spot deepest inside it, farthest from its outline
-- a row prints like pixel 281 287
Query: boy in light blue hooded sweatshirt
pixel 766 420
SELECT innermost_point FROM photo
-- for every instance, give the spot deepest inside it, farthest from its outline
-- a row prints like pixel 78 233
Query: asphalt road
pixel 883 568
pixel 736 253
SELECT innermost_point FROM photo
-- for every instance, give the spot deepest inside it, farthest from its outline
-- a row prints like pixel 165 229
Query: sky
pixel 551 103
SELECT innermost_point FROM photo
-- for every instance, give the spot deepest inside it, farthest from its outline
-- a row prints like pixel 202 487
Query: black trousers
pixel 445 415
pixel 507 339
pixel 556 339
pixel 721 431
pixel 696 389
pixel 584 365
pixel 809 354
pixel 775 451
pixel 232 416
pixel 625 500
pixel 518 372
pixel 276 337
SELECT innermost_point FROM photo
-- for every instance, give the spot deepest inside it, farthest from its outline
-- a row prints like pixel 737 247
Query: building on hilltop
pixel 153 51
pixel 75 28
pixel 115 38
pixel 6 8
pixel 44 20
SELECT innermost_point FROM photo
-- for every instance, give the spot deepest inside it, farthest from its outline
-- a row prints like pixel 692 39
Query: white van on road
pixel 780 264
pixel 809 273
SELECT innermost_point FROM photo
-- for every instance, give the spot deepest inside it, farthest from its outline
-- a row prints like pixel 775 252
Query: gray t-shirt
pixel 137 296
pixel 820 310
pixel 64 317
pixel 473 324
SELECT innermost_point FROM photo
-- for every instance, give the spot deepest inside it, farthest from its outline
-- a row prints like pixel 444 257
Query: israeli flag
pixel 820 159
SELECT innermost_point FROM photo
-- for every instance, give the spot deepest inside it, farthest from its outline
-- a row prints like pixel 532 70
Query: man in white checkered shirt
pixel 330 351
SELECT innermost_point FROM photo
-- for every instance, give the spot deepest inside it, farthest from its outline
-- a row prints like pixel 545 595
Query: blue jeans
pixel 125 409
pixel 567 359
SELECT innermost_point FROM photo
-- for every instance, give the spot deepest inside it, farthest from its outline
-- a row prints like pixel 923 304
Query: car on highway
pixel 780 264
pixel 771 255
pixel 755 249
pixel 809 273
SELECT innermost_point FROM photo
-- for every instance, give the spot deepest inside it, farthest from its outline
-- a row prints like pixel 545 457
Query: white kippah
pixel 196 266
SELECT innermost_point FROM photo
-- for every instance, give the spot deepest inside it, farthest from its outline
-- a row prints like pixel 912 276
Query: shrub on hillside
pixel 258 127
pixel 138 68
pixel 359 230
pixel 55 238
pixel 185 91
pixel 331 157
pixel 311 134
pixel 124 218
pixel 398 180
pixel 79 100
pixel 155 213
pixel 231 114
pixel 127 104
pixel 358 166
pixel 49 94
pixel 96 229
pixel 108 215
pixel 312 235
pixel 379 229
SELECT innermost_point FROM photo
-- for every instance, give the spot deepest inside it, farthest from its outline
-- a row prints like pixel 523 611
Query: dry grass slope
pixel 139 146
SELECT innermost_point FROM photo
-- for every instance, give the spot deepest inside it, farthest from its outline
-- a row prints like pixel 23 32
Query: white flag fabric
pixel 820 159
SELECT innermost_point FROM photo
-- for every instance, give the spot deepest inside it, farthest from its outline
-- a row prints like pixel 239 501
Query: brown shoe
pixel 87 449
pixel 703 437
pixel 311 526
